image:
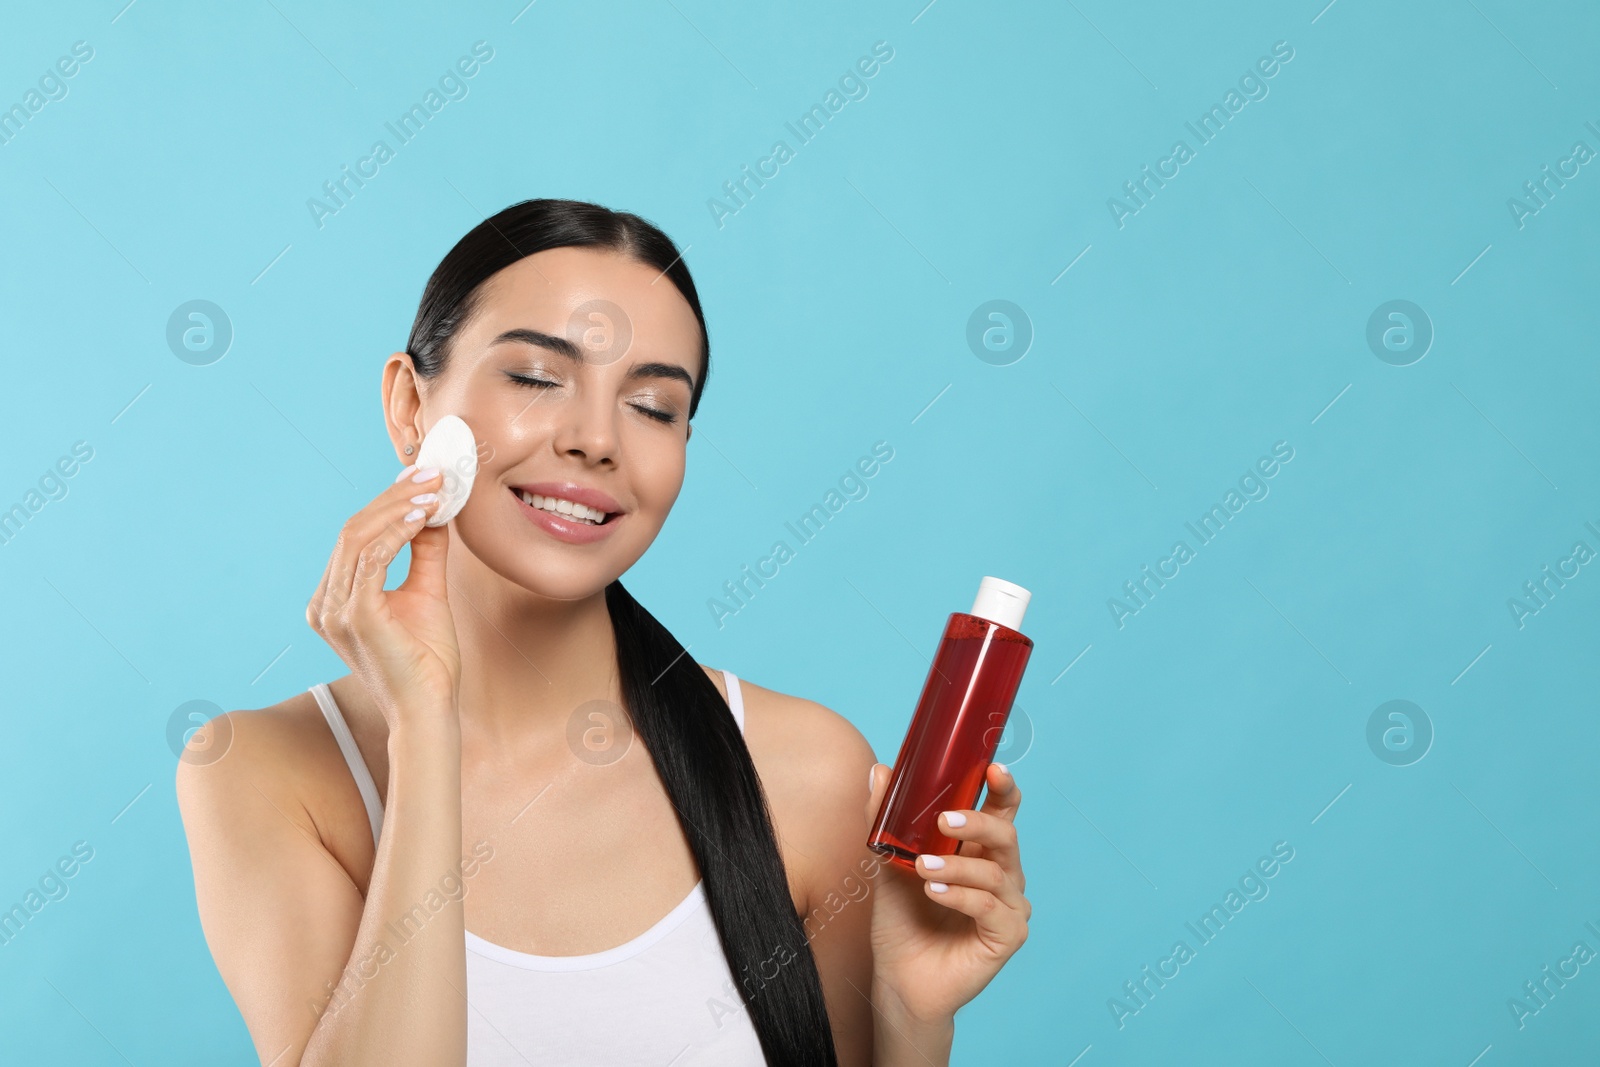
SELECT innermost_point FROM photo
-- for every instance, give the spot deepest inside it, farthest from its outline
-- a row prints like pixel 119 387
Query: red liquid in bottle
pixel 946 753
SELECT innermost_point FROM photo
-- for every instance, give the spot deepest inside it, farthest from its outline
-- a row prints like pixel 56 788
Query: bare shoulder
pixel 813 764
pixel 276 765
pixel 258 745
pixel 800 738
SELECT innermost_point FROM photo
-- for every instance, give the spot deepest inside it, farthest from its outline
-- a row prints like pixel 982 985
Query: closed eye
pixel 540 383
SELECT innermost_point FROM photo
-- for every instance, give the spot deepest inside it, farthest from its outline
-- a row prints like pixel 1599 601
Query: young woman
pixel 527 828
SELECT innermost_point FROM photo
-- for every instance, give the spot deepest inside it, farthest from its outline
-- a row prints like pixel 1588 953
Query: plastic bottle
pixel 959 719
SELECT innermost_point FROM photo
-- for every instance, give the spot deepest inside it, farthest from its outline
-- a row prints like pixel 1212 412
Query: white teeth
pixel 565 508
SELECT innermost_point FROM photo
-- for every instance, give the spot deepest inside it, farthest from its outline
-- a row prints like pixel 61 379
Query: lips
pixel 564 528
pixel 574 492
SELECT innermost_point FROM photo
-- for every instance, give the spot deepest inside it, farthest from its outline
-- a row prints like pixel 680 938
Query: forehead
pixel 569 291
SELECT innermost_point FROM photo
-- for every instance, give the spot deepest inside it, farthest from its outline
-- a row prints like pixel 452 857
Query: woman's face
pixel 619 350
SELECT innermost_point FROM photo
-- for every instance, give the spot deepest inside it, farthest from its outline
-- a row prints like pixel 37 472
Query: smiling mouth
pixel 566 509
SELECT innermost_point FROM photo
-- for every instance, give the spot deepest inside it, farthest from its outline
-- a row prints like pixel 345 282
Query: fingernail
pixel 401 476
pixel 933 863
pixel 938 887
pixel 414 515
pixel 872 778
pixel 955 818
pixel 1004 769
pixel 425 474
pixel 425 498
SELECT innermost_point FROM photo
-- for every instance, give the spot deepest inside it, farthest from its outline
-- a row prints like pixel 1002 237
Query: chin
pixel 568 584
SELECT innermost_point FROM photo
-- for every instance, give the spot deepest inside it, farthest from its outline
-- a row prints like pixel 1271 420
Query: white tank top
pixel 665 998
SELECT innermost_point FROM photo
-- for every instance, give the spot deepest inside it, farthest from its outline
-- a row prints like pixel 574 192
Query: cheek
pixel 504 425
pixel 658 473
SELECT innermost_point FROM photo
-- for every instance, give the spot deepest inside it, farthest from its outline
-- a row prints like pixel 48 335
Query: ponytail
pixel 691 735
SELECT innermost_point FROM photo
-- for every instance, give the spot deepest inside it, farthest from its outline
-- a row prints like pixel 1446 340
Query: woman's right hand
pixel 400 642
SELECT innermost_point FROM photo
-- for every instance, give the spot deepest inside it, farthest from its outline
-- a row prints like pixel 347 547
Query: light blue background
pixel 1227 315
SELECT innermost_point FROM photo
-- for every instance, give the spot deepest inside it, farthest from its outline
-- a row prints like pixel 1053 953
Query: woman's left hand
pixel 934 948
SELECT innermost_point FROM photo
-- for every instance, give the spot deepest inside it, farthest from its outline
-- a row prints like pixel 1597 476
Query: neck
pixel 527 662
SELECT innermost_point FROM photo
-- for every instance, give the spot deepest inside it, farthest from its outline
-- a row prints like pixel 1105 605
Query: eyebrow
pixel 563 347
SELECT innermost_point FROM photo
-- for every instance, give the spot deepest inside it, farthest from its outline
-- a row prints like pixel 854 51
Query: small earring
pixel 409 450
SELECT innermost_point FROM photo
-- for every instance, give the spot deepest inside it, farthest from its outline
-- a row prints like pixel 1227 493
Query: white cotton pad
pixel 450 447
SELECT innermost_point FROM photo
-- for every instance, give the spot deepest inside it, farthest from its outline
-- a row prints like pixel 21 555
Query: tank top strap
pixel 735 698
pixel 352 757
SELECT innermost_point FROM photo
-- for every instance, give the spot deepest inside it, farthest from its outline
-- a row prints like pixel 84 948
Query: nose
pixel 586 429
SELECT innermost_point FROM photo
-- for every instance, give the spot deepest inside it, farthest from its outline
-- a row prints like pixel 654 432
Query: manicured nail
pixel 933 863
pixel 414 515
pixel 425 474
pixel 955 818
pixel 939 887
pixel 401 476
pixel 425 498
pixel 872 778
pixel 1004 769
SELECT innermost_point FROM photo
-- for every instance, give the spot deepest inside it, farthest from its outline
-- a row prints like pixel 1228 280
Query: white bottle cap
pixel 1001 601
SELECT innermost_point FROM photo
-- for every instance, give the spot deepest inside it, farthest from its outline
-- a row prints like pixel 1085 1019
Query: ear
pixel 402 405
pixel 689 433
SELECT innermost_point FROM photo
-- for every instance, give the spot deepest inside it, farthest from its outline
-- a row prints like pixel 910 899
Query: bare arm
pixel 824 773
pixel 321 975
pixel 840 884
pixel 899 951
